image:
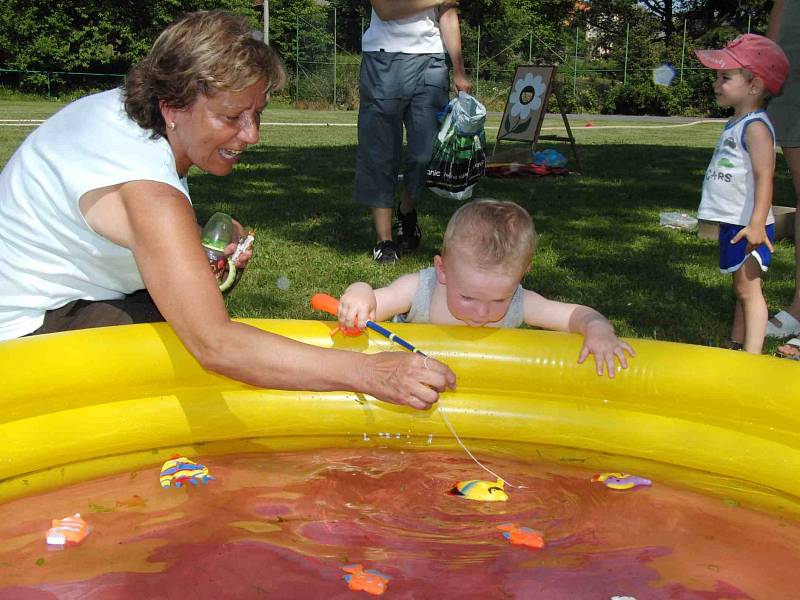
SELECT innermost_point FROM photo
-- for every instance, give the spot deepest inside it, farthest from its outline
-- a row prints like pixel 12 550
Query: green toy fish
pixel 485 491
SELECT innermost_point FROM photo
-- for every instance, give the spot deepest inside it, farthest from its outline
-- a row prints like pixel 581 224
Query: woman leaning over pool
pixel 98 228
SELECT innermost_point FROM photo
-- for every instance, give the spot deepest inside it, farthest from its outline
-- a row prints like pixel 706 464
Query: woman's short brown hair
pixel 492 233
pixel 204 52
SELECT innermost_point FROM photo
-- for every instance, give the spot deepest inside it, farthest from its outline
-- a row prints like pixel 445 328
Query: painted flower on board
pixel 527 96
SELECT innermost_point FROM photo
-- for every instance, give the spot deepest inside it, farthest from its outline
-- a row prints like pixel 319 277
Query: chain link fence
pixel 323 74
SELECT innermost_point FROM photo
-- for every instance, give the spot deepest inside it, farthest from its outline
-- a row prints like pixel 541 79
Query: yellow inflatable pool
pixel 84 404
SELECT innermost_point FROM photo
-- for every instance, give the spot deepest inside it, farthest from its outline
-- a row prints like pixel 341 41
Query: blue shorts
pixel 732 256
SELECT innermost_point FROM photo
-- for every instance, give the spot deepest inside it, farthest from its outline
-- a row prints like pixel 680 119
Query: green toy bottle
pixel 217 235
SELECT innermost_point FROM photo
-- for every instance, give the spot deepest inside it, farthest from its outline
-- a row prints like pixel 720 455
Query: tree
pixel 101 36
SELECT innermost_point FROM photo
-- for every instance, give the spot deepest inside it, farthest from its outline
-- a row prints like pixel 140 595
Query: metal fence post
pixel 625 69
pixel 297 60
pixel 530 47
pixel 478 62
pixel 683 48
pixel 266 21
pixel 575 66
pixel 334 58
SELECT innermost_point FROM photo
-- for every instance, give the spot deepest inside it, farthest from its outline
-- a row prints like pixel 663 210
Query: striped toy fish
pixel 68 531
pixel 179 470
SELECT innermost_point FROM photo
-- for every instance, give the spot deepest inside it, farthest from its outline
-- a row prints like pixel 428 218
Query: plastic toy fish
pixel 621 481
pixel 68 531
pixel 179 470
pixel 524 536
pixel 365 580
pixel 484 491
pixel 132 502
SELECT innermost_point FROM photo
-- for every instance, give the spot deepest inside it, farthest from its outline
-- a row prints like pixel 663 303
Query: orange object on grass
pixel 524 536
pixel 365 580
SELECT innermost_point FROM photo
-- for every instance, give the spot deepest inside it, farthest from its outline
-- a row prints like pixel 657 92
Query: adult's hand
pixel 407 379
pixel 462 83
pixel 245 256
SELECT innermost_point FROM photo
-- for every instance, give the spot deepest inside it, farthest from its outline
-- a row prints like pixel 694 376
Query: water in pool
pixel 285 525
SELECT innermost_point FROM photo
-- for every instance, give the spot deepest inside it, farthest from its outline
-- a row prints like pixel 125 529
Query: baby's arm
pixel 360 303
pixel 762 155
pixel 599 338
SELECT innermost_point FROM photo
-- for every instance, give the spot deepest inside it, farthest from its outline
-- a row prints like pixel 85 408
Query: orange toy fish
pixel 524 536
pixel 366 580
pixel 69 530
pixel 132 502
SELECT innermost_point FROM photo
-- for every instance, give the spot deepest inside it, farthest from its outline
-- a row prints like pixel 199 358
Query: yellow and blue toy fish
pixel 484 491
pixel 179 470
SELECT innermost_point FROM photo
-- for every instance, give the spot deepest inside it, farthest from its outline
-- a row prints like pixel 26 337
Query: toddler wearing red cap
pixel 737 190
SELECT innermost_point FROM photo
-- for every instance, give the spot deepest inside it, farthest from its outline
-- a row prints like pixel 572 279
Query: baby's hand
pixel 756 235
pixel 601 341
pixel 357 306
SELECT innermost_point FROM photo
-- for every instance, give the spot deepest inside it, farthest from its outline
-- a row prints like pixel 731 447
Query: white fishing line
pixel 472 456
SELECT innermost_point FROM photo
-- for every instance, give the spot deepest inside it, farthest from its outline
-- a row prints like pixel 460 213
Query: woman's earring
pixel 172 125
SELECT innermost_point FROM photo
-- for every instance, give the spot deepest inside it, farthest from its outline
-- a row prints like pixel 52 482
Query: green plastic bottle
pixel 217 234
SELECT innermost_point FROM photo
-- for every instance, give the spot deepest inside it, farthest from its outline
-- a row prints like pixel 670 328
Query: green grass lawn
pixel 601 243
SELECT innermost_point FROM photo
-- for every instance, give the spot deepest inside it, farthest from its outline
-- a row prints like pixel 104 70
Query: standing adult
pixel 404 81
pixel 99 229
pixel 784 112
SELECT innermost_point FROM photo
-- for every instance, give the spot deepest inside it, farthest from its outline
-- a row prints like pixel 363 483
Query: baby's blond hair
pixel 492 233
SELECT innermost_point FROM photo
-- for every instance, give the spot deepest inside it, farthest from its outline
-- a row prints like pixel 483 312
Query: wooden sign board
pixel 526 107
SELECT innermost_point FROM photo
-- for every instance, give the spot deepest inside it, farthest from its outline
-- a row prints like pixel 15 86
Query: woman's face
pixel 215 130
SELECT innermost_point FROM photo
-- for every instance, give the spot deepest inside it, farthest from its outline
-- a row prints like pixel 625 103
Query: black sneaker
pixel 385 252
pixel 408 232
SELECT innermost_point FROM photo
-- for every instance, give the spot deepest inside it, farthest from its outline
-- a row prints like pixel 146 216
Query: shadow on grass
pixel 601 240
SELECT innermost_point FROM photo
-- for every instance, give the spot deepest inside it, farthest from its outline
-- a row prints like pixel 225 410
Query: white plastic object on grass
pixel 677 220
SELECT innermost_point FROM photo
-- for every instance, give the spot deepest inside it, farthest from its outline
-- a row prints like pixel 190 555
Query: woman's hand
pixel 407 379
pixel 357 306
pixel 601 341
pixel 244 257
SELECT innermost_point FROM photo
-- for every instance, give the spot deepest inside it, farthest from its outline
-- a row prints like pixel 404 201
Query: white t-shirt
pixel 413 35
pixel 729 185
pixel 49 255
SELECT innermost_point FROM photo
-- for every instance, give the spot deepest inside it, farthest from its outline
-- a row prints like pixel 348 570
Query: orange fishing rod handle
pixel 326 303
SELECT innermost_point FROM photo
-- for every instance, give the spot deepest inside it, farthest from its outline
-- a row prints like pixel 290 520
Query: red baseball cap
pixel 756 53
